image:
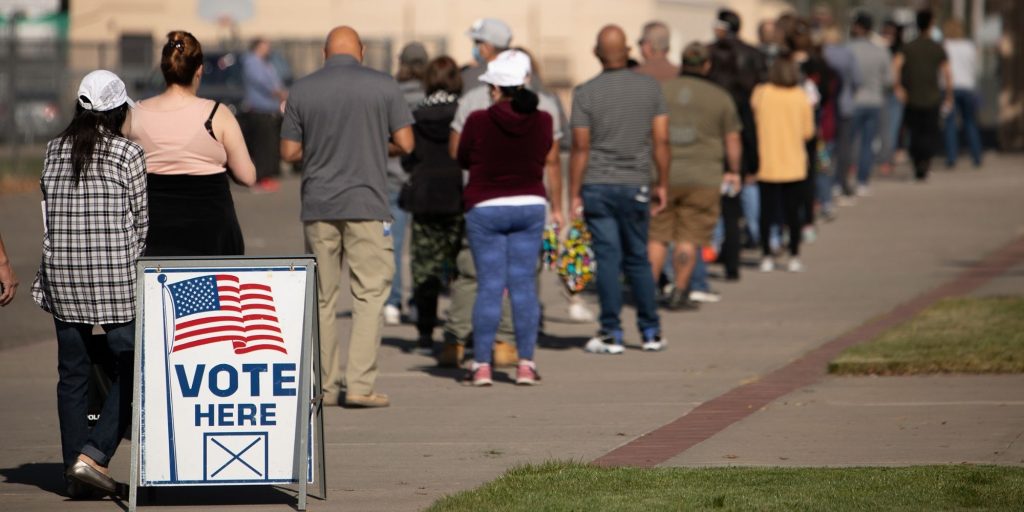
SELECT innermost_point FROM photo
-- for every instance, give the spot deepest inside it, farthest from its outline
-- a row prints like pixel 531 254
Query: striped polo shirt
pixel 618 106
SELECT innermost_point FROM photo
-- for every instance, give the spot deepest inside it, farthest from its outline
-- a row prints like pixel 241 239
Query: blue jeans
pixel 892 123
pixel 505 242
pixel 73 368
pixel 398 225
pixel 750 200
pixel 965 103
pixel 699 276
pixel 618 217
pixel 865 125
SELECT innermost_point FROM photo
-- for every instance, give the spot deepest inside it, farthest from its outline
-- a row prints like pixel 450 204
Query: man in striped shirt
pixel 619 120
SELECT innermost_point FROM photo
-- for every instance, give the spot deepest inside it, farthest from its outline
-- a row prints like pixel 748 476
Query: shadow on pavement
pixel 44 475
pixel 454 374
pixel 550 342
pixel 219 495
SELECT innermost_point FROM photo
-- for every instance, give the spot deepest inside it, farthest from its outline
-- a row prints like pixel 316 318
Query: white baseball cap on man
pixel 509 69
pixel 491 30
pixel 102 90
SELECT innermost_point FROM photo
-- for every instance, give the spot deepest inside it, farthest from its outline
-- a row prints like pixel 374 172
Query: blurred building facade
pixel 559 32
pixel 46 46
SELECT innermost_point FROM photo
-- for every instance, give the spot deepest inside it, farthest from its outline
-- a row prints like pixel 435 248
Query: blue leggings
pixel 505 242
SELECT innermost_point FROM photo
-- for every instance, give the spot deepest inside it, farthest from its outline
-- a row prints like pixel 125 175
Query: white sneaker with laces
pixel 794 265
pixel 578 312
pixel 708 297
pixel 392 315
pixel 767 264
pixel 603 344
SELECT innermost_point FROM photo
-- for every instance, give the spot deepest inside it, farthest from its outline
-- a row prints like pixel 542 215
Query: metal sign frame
pixel 310 401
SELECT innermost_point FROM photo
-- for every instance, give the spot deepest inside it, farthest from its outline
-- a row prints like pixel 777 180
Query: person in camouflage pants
pixel 436 241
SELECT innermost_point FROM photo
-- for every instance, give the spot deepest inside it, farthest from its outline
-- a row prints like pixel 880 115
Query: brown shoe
pixel 451 355
pixel 371 400
pixel 505 354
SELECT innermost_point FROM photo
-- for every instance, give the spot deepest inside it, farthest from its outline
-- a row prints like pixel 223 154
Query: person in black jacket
pixel 738 67
pixel 434 193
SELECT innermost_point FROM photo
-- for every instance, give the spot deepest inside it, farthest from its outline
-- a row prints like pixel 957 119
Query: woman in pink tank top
pixel 192 146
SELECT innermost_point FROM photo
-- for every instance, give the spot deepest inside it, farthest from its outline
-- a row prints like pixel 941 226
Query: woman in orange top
pixel 785 122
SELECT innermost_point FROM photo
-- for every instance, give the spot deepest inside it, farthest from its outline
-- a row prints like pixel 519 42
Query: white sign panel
pixel 221 353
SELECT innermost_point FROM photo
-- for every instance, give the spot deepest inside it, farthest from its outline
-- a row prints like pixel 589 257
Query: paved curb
pixel 717 414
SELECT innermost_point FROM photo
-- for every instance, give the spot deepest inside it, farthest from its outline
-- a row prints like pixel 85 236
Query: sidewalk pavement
pixel 440 437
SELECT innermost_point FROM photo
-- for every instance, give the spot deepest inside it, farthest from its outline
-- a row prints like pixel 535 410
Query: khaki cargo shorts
pixel 690 216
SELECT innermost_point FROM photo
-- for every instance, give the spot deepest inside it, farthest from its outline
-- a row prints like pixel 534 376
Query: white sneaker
pixel 863 191
pixel 392 315
pixel 767 264
pixel 794 265
pixel 578 312
pixel 654 344
pixel 603 344
pixel 709 296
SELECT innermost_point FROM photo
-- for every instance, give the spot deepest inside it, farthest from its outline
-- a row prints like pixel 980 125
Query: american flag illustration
pixel 220 308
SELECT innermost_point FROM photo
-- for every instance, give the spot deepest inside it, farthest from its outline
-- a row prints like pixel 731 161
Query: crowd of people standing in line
pixel 663 161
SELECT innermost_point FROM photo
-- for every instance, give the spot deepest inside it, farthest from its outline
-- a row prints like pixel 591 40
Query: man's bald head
pixel 611 47
pixel 343 40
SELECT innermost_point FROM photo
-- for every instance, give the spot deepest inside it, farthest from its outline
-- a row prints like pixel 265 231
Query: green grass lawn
pixel 558 486
pixel 962 335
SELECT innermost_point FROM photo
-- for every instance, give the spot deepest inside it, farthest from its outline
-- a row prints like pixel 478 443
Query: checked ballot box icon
pixel 234 457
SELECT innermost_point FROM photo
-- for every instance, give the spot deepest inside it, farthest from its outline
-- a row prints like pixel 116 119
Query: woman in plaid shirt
pixel 96 219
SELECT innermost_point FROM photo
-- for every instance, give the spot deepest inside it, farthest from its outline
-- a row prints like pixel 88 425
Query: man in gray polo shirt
pixel 337 122
pixel 619 122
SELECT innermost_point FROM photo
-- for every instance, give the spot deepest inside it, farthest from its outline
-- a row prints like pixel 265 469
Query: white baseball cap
pixel 509 69
pixel 101 91
pixel 491 30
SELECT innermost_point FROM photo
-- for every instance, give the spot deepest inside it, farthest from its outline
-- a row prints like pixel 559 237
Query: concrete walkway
pixel 440 437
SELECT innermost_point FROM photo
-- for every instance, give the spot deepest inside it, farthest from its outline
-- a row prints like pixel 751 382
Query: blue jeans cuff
pixel 95 454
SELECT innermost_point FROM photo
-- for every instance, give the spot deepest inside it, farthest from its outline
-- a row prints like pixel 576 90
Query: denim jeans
pixel 843 155
pixel 865 125
pixel 892 123
pixel 699 277
pixel 965 103
pixel 73 369
pixel 505 241
pixel 751 201
pixel 618 217
pixel 398 225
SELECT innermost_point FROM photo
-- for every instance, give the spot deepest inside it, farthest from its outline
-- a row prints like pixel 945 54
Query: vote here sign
pixel 221 354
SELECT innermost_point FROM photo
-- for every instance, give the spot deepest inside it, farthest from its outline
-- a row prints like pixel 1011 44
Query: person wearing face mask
pixel 490 37
pixel 924 61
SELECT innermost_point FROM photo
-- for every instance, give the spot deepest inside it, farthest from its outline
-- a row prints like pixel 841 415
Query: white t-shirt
pixel 963 63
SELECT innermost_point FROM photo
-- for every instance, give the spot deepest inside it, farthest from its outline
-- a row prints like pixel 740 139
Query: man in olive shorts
pixel 704 130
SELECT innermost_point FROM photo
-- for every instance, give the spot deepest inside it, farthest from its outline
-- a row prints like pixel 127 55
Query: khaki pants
pixel 371 265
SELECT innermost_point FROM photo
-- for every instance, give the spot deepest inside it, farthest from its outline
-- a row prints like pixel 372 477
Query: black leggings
pixel 787 199
pixel 923 125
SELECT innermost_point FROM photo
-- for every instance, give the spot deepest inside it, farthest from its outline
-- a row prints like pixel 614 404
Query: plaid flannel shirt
pixel 95 231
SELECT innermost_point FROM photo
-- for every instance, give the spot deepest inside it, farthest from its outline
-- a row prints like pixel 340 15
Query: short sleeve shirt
pixel 922 59
pixel 700 115
pixel 344 115
pixel 618 106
